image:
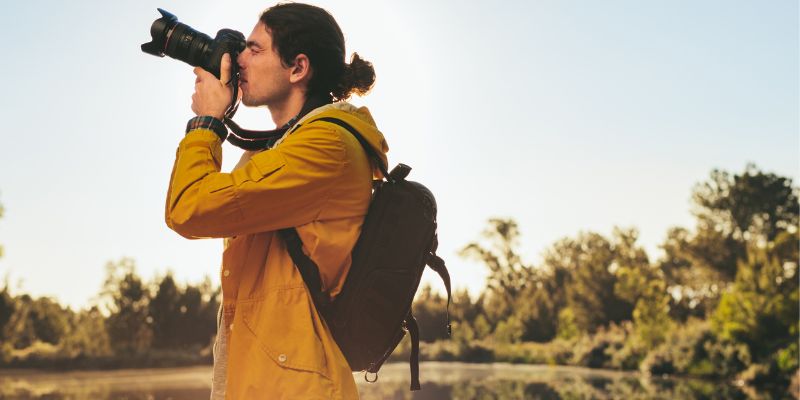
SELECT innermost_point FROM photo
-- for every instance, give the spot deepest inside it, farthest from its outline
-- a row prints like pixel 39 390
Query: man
pixel 271 342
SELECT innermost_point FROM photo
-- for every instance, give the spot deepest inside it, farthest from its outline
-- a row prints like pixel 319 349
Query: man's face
pixel 264 80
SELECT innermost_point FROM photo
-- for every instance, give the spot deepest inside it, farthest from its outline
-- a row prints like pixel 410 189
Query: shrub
pixel 630 356
pixel 787 359
pixel 693 349
pixel 595 351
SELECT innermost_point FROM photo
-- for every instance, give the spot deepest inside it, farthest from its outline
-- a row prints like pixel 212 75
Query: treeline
pixel 722 301
pixel 136 324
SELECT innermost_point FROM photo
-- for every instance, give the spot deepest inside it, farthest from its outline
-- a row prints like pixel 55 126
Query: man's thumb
pixel 225 69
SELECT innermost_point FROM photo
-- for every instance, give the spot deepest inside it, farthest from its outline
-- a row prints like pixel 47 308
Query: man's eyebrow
pixel 252 43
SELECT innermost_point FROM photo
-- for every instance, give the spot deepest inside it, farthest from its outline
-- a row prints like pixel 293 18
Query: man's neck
pixel 288 109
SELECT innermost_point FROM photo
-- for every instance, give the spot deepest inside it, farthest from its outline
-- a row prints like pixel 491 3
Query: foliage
pixel 733 211
pixel 183 317
pixel 599 278
pixel 567 328
pixel 598 350
pixel 429 310
pixel 508 275
pixel 761 308
pixel 38 332
pixel 722 297
pixel 127 324
pixel 693 349
pixel 87 336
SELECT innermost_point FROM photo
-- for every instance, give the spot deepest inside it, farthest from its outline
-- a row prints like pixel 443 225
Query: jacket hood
pixel 359 118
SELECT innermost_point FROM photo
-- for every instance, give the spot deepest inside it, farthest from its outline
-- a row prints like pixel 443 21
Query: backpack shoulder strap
pixel 309 270
pixel 307 267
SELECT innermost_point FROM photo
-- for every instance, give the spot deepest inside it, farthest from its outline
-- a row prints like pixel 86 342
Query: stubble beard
pixel 252 101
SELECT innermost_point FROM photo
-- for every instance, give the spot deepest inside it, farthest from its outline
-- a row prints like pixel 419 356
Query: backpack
pixel 372 313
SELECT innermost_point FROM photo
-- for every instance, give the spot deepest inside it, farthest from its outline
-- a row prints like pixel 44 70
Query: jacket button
pixel 282 358
pixel 226 272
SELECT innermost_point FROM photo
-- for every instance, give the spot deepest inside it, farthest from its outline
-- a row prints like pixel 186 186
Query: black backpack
pixel 372 313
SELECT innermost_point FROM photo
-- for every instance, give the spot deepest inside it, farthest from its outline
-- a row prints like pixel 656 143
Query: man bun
pixel 358 77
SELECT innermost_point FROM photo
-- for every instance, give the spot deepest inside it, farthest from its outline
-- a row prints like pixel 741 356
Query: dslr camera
pixel 181 42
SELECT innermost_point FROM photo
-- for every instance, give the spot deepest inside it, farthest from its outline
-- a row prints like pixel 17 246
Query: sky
pixel 567 116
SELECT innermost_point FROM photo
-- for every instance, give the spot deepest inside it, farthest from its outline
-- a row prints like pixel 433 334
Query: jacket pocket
pixel 285 329
pixel 267 162
pixel 259 167
pixel 218 182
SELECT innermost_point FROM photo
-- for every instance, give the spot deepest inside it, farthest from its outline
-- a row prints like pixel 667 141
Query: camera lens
pixel 177 40
pixel 187 44
pixel 181 42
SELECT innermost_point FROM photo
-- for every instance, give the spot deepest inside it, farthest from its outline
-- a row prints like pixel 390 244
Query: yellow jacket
pixel 317 179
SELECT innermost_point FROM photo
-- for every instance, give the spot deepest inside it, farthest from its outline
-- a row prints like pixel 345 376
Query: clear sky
pixel 565 115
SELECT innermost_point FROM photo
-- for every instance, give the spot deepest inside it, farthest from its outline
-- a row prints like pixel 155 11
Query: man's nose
pixel 240 59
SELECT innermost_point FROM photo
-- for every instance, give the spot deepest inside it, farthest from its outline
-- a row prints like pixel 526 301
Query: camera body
pixel 181 42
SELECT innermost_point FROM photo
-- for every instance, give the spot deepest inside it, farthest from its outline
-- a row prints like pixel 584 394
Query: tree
pixel 429 310
pixel 761 308
pixel 588 267
pixel 8 307
pixel 50 322
pixel 182 317
pixel 512 286
pixel 198 315
pixel 164 311
pixel 508 275
pixel 731 211
pixel 88 336
pixel 754 205
pixel 128 324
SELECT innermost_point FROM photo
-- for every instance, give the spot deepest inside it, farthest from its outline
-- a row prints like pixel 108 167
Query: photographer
pixel 272 343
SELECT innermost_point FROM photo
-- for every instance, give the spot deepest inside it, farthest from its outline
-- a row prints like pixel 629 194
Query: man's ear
pixel 301 70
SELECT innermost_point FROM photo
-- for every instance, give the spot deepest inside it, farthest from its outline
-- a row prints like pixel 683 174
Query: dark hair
pixel 298 28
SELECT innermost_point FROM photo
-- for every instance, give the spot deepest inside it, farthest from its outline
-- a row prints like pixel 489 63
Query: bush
pixel 440 350
pixel 693 349
pixel 723 358
pixel 556 352
pixel 509 330
pixel 630 356
pixel 757 374
pixel 6 353
pixel 478 352
pixel 787 359
pixel 596 351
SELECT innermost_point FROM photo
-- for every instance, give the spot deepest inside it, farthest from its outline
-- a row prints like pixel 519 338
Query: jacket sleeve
pixel 277 188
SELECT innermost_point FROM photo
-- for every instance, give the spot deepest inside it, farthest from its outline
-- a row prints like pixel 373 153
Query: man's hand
pixel 212 96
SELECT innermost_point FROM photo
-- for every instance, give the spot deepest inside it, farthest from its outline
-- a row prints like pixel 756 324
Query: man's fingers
pixel 203 75
pixel 225 69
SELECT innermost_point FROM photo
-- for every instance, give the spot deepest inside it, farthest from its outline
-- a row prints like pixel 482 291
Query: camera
pixel 181 42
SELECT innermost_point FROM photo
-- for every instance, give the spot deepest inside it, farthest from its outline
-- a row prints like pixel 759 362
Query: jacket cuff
pixel 210 123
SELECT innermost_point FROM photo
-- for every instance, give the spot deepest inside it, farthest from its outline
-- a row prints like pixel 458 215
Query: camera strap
pixel 261 140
